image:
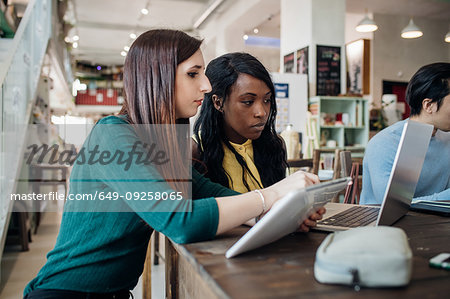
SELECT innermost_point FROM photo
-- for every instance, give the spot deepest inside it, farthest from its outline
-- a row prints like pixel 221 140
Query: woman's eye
pixel 192 74
pixel 267 100
pixel 248 103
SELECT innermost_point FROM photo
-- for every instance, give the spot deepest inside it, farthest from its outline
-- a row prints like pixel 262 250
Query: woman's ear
pixel 218 103
pixel 429 106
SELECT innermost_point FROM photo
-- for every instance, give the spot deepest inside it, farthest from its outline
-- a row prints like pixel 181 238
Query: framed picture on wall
pixel 328 71
pixel 289 63
pixel 302 61
pixel 358 67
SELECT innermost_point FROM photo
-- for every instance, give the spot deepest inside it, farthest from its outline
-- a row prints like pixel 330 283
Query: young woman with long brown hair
pixel 101 254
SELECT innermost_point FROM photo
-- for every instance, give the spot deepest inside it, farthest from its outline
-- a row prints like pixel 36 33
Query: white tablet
pixel 287 214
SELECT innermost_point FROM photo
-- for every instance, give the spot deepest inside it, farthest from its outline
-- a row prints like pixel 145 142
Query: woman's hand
pixel 297 180
pixel 238 209
pixel 311 221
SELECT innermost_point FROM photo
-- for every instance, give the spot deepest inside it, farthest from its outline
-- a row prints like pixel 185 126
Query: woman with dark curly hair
pixel 235 131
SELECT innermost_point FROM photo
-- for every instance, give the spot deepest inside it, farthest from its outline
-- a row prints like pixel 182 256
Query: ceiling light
pixel 75 37
pixel 144 11
pixel 123 53
pixel 245 37
pixel 411 31
pixel 67 39
pixel 75 45
pixel 132 35
pixel 447 37
pixel 126 48
pixel 256 30
pixel 366 25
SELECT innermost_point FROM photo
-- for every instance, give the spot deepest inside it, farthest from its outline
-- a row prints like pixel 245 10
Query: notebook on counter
pixel 440 207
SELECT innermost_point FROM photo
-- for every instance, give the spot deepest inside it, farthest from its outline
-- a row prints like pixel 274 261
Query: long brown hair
pixel 149 88
pixel 149 75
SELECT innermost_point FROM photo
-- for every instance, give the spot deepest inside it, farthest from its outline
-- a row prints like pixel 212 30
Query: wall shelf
pixel 352 115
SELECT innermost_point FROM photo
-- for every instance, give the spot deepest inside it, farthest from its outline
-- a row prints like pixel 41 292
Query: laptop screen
pixel 405 172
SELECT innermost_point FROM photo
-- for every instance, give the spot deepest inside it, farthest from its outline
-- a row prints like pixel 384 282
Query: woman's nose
pixel 260 110
pixel 205 85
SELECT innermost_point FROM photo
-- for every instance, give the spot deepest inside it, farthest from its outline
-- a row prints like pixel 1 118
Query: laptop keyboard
pixel 353 217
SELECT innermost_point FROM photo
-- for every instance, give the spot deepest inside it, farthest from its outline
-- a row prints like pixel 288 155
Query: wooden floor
pixel 18 268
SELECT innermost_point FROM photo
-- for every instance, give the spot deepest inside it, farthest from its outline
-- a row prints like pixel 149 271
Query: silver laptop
pixel 287 214
pixel 400 189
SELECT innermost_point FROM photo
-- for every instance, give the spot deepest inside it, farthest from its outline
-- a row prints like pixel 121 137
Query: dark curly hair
pixel 268 149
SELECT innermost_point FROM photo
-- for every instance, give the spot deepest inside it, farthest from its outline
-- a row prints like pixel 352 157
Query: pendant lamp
pixel 411 31
pixel 366 25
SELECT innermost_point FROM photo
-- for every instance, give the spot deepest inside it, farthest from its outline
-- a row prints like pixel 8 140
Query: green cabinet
pixel 342 122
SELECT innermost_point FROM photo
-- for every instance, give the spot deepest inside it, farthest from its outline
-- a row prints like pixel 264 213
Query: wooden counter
pixel 285 268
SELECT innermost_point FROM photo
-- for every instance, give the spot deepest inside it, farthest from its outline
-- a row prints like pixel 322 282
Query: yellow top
pixel 234 169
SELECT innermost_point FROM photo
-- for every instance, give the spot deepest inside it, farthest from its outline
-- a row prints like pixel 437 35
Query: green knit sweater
pixel 105 251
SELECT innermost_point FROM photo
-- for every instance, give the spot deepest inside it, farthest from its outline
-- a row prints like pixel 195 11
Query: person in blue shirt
pixel 428 96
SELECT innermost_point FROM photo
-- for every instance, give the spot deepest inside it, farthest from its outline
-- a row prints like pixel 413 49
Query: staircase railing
pixel 19 75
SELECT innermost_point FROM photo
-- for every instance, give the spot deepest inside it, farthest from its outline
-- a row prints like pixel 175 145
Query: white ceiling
pixel 434 9
pixel 104 25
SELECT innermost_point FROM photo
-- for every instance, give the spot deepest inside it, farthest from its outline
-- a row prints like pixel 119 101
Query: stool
pixel 37 180
pixel 19 229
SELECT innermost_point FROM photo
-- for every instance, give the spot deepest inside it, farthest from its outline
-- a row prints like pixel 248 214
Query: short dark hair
pixel 429 82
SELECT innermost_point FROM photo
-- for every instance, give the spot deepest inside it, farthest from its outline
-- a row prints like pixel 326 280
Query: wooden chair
pixel 301 163
pixel 19 229
pixel 147 273
pixel 346 160
pixel 316 161
pixel 352 167
pixel 154 256
pixel 336 164
pixel 342 164
pixel 59 176
pixel 157 252
pixel 348 157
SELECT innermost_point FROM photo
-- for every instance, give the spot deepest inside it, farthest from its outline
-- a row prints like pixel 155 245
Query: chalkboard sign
pixel 328 71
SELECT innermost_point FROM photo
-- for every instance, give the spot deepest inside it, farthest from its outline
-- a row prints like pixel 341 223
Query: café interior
pixel 340 69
